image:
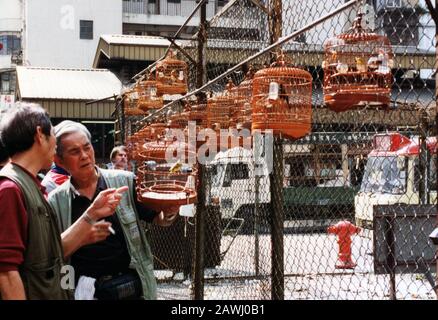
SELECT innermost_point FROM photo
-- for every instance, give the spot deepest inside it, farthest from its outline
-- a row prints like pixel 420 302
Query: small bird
pixel 176 167
pixel 360 64
pixel 173 76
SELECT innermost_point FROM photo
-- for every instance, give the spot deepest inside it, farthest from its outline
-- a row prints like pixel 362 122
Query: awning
pixel 127 47
pixel 65 92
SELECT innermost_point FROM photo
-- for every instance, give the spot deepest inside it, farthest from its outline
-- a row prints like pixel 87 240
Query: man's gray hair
pixel 67 127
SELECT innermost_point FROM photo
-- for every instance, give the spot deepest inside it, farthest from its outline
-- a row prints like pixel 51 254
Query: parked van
pixel 233 175
pixel 392 175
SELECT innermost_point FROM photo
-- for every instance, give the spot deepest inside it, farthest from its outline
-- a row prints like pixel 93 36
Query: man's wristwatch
pixel 88 219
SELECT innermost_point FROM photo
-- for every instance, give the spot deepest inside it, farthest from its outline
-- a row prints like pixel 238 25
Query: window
pixel 86 29
pixel 239 171
pixel 221 3
pixel 152 7
pixel 385 175
pixel 7 82
pixel 393 3
pixel 10 45
pixel 173 8
pixel 4 82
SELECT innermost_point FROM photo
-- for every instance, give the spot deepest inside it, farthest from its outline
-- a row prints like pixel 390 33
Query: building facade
pixel 11 26
pixel 66 32
pixel 163 17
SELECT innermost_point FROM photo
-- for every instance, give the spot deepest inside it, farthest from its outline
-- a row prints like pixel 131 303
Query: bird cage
pixel 243 93
pixel 177 120
pixel 146 134
pixel 219 109
pixel 130 100
pixel 171 75
pixel 136 141
pixel 166 180
pixel 357 69
pixel 158 130
pixel 282 100
pixel 148 98
pixel 196 113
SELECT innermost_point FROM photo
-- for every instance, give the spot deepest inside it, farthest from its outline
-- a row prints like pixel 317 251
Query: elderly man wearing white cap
pixel 57 175
pixel 121 266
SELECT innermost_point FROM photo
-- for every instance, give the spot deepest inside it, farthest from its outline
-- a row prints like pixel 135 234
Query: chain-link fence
pixel 338 207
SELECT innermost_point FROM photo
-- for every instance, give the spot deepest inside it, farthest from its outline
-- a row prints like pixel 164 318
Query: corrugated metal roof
pixel 128 47
pixel 136 40
pixel 69 84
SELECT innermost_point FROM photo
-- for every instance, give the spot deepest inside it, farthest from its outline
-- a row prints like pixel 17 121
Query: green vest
pixel 43 256
pixel 138 246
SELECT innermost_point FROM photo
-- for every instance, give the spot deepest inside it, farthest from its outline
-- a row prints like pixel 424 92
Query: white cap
pixel 68 126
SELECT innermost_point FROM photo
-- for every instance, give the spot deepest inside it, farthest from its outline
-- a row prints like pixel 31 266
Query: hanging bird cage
pixel 357 69
pixel 171 75
pixel 136 141
pixel 158 130
pixel 243 93
pixel 146 134
pixel 148 98
pixel 130 100
pixel 219 109
pixel 196 113
pixel 177 121
pixel 282 100
pixel 166 180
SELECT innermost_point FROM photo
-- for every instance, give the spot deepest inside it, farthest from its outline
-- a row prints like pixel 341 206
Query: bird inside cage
pixel 357 69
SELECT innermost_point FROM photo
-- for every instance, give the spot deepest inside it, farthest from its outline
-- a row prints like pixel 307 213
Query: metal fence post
pixel 435 17
pixel 198 278
pixel 275 22
pixel 390 243
pixel 256 227
pixel 277 213
pixel 423 160
pixel 434 13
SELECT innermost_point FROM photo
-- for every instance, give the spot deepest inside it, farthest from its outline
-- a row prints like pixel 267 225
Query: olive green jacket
pixel 138 246
pixel 43 256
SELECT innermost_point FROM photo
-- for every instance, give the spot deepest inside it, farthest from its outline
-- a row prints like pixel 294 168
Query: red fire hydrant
pixel 344 230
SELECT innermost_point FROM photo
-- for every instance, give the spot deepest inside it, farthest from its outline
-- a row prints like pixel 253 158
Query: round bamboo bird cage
pixel 177 120
pixel 282 100
pixel 146 134
pixel 171 75
pixel 357 69
pixel 166 181
pixel 196 113
pixel 219 109
pixel 148 98
pixel 158 130
pixel 243 93
pixel 130 99
pixel 136 141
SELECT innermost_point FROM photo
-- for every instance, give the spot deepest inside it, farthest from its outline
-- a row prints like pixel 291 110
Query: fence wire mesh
pixel 343 211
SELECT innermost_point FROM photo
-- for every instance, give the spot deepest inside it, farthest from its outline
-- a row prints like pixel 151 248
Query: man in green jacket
pixel 32 249
pixel 121 266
